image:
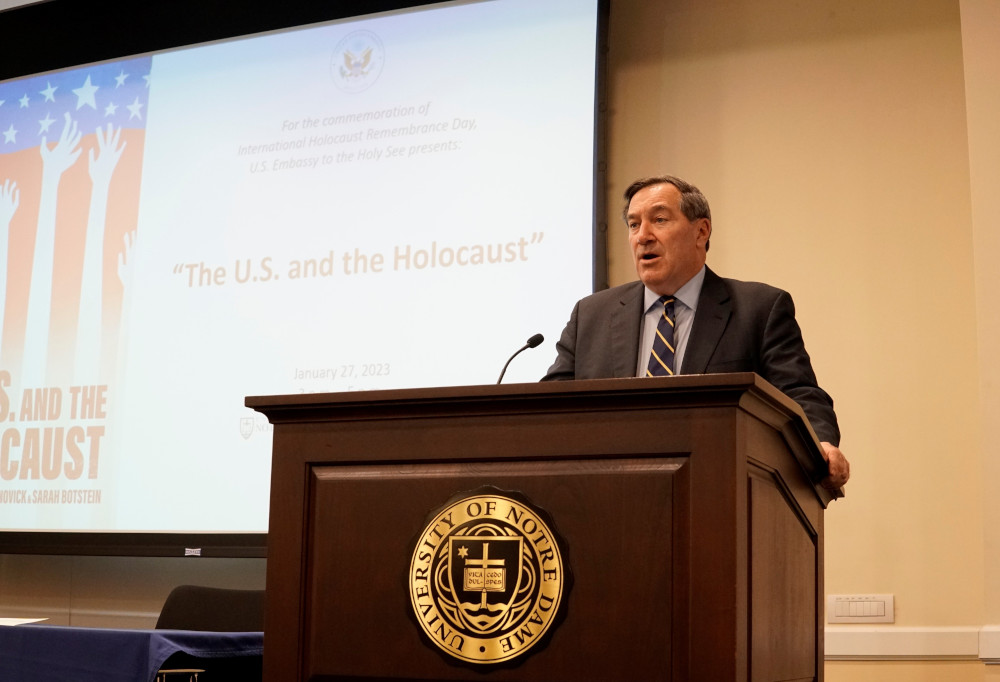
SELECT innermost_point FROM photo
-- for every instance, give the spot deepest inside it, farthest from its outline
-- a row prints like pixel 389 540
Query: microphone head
pixel 535 340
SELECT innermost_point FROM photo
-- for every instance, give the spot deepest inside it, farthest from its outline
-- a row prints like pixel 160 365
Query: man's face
pixel 668 249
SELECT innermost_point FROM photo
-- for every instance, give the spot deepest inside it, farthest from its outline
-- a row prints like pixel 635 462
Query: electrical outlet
pixel 860 608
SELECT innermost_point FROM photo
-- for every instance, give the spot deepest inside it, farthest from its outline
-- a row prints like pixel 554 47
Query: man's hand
pixel 840 468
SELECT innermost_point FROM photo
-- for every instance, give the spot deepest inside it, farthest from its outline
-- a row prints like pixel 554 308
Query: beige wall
pixel 981 42
pixel 831 138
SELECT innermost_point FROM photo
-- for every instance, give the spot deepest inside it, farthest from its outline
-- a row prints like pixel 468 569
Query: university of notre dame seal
pixel 486 578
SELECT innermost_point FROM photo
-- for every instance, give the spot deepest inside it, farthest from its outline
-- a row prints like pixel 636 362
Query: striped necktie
pixel 661 359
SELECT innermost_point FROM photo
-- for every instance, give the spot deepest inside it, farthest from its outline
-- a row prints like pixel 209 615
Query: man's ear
pixel 704 226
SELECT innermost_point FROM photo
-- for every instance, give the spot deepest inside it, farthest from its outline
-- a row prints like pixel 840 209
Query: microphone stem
pixel 504 370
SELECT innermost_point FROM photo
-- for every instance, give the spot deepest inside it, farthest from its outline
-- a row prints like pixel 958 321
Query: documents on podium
pixel 20 621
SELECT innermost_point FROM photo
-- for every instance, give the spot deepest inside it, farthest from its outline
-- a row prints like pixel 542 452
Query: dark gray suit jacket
pixel 738 327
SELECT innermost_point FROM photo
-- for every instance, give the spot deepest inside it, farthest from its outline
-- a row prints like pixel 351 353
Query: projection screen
pixel 388 201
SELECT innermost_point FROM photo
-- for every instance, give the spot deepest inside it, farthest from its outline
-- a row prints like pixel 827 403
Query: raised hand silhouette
pixel 104 159
pixel 9 201
pixel 102 163
pixel 55 162
pixel 58 160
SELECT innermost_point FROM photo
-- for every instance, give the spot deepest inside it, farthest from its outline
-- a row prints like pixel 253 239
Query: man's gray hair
pixel 694 205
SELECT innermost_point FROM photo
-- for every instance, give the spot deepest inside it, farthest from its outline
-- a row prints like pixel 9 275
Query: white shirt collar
pixel 688 294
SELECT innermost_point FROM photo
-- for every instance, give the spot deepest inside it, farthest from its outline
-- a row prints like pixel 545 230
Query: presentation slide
pixel 391 201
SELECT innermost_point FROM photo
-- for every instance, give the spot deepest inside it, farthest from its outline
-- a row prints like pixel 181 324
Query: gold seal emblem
pixel 357 61
pixel 487 578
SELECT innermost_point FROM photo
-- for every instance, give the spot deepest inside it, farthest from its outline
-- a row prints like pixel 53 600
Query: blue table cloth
pixel 45 653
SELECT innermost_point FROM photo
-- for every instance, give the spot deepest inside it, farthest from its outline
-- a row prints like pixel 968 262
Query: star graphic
pixel 85 95
pixel 146 78
pixel 133 110
pixel 463 552
pixel 45 123
pixel 49 92
pixel 111 109
pixel 120 79
pixel 9 134
pixel 24 101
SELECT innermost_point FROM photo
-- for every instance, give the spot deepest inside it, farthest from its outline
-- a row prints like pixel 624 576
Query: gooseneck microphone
pixel 535 340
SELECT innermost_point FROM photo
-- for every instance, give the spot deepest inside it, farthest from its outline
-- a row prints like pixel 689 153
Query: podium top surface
pixel 717 389
pixel 746 391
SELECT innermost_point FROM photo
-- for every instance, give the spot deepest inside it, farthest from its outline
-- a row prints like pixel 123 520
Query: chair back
pixel 194 607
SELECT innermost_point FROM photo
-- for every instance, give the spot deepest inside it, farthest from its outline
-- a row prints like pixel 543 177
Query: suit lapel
pixel 625 319
pixel 710 320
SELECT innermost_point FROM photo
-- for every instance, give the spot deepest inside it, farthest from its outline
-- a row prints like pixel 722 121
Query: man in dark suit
pixel 717 325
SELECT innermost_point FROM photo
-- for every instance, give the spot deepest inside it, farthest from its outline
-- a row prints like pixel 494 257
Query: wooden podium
pixel 688 507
